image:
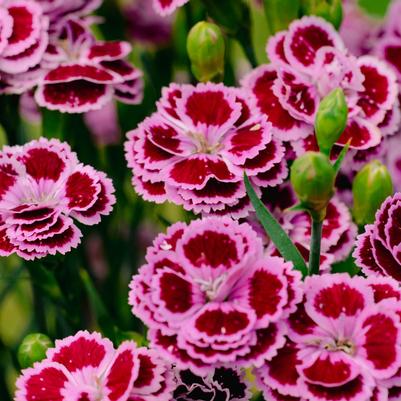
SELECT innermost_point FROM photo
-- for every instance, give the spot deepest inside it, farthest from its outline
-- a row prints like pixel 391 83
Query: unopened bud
pixel 33 349
pixel 206 48
pixel 371 186
pixel 312 177
pixel 330 10
pixel 331 120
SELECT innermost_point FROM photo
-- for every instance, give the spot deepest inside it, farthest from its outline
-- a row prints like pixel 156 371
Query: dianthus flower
pixel 42 188
pixel 82 73
pixel 378 248
pixel 343 342
pixel 23 41
pixel 195 149
pixel 167 7
pixel 307 62
pixel 225 384
pixel 86 367
pixel 211 297
pixel 338 233
pixel 388 43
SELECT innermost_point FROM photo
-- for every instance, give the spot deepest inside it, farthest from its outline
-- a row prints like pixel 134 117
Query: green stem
pixel 316 239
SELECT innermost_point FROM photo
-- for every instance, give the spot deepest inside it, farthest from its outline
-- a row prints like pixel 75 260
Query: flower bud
pixel 331 120
pixel 206 48
pixel 330 10
pixel 371 186
pixel 33 349
pixel 312 177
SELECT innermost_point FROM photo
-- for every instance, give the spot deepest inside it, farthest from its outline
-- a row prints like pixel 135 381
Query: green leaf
pixel 103 317
pixel 340 159
pixel 275 232
pixel 52 124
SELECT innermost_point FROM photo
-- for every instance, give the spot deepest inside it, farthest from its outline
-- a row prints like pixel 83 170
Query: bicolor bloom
pixel 343 342
pixel 195 149
pixel 308 61
pixel 167 7
pixel 378 249
pixel 225 384
pixel 43 188
pixel 83 74
pixel 211 297
pixel 388 43
pixel 86 367
pixel 23 41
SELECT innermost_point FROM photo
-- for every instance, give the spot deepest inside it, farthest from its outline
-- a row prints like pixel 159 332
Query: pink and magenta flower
pixel 23 42
pixel 343 342
pixel 195 149
pixel 212 298
pixel 86 367
pixel 307 62
pixel 83 74
pixel 43 189
pixel 388 43
pixel 378 248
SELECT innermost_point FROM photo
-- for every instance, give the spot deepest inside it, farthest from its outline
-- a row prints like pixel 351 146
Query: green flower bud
pixel 33 349
pixel 206 48
pixel 312 177
pixel 331 120
pixel 330 10
pixel 371 186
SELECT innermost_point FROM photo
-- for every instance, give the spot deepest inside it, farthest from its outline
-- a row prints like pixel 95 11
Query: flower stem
pixel 316 239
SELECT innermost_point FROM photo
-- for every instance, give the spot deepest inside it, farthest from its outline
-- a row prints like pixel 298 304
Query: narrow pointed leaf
pixel 275 232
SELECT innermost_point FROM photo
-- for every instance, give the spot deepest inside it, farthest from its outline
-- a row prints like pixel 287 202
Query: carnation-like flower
pixel 23 41
pixel 43 188
pixel 343 342
pixel 378 248
pixel 167 7
pixel 388 43
pixel 211 297
pixel 308 61
pixel 86 367
pixel 195 149
pixel 225 384
pixel 82 73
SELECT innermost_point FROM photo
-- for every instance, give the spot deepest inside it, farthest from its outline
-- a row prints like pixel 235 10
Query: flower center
pixel 211 287
pixel 202 144
pixel 343 345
